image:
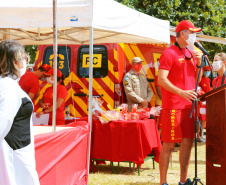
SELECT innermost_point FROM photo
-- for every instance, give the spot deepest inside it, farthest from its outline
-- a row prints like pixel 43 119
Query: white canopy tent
pixel 31 22
pixel 78 22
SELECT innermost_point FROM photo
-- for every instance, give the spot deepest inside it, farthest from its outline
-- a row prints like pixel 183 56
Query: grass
pixel 148 175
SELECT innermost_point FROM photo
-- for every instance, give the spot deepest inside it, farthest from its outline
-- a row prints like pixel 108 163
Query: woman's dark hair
pixel 10 51
pixel 61 78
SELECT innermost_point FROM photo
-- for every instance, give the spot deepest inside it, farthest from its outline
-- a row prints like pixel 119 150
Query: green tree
pixel 31 50
pixel 210 15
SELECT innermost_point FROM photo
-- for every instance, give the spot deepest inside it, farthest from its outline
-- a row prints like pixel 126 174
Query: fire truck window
pixel 63 58
pixel 100 61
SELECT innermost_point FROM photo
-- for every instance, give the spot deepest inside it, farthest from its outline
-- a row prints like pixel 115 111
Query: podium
pixel 215 135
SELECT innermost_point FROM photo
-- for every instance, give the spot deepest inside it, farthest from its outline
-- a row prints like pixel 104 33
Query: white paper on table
pixel 42 120
pixel 202 110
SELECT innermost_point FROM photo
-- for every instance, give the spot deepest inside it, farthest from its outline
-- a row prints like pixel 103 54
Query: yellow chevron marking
pixel 73 110
pixel 75 78
pixel 122 45
pixel 83 105
pixel 106 97
pixel 37 55
pixel 106 81
pixel 128 52
pixel 39 64
pixel 115 55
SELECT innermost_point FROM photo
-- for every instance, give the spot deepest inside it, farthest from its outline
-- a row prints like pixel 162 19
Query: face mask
pixel 49 80
pixel 206 73
pixel 23 70
pixel 216 65
pixel 191 40
pixel 43 79
pixel 138 67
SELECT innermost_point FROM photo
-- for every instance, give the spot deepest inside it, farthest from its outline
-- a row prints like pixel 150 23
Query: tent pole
pixel 90 95
pixel 54 64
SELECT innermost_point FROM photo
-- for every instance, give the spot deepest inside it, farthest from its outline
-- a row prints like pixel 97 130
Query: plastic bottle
pixel 67 112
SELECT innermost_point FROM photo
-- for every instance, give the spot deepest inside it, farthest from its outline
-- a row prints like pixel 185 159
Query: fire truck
pixel 110 63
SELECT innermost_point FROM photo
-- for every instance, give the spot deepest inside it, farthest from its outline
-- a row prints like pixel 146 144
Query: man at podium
pixel 218 65
pixel 178 73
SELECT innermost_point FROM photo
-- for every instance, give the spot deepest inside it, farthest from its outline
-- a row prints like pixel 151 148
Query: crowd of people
pixel 175 84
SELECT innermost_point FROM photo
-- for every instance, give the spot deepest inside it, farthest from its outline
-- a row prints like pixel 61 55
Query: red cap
pixel 183 25
pixel 50 72
pixel 206 68
pixel 46 67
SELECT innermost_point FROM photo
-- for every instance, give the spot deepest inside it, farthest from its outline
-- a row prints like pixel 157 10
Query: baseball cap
pixel 50 72
pixel 183 25
pixel 46 67
pixel 137 59
pixel 206 68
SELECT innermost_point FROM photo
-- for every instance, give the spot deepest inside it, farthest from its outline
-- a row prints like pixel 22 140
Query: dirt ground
pixel 148 175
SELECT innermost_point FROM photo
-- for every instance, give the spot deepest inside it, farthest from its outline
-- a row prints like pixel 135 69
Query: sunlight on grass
pixel 148 175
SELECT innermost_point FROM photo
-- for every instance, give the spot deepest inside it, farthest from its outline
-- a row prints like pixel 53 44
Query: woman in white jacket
pixel 17 160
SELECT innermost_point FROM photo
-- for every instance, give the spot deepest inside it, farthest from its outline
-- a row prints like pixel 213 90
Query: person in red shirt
pixel 178 73
pixel 205 81
pixel 29 82
pixel 47 100
pixel 219 63
pixel 205 87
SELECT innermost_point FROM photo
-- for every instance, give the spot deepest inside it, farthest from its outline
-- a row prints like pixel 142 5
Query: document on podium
pixel 42 120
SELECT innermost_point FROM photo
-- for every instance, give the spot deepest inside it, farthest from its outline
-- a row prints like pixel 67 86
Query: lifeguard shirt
pixel 48 98
pixel 181 74
pixel 217 81
pixel 29 82
pixel 205 84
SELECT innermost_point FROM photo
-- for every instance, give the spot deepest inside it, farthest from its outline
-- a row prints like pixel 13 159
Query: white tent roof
pixel 31 22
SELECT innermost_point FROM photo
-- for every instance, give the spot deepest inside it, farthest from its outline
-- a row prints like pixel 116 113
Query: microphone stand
pixel 195 103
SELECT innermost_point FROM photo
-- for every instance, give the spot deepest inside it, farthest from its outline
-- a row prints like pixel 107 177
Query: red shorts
pixel 158 120
pixel 177 124
pixel 202 117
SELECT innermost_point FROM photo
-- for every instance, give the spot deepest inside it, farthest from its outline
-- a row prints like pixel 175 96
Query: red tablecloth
pixel 125 140
pixel 61 157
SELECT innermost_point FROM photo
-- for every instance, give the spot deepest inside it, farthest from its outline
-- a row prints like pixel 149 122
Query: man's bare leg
pixel 201 130
pixel 185 153
pixel 165 153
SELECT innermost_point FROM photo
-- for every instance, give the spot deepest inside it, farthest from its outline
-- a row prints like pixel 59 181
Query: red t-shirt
pixel 48 98
pixel 181 74
pixel 217 81
pixel 29 82
pixel 205 84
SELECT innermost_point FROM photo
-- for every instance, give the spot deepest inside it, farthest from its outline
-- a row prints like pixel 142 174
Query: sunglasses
pixel 186 57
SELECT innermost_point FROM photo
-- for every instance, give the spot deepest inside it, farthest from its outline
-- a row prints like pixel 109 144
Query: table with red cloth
pixel 119 141
pixel 61 156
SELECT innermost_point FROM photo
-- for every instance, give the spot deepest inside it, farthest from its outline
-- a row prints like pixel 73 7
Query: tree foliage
pixel 31 50
pixel 210 15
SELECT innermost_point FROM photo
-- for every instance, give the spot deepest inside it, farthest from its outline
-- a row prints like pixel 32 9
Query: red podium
pixel 215 135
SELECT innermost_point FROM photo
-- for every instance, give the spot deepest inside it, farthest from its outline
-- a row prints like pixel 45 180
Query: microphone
pixel 201 48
